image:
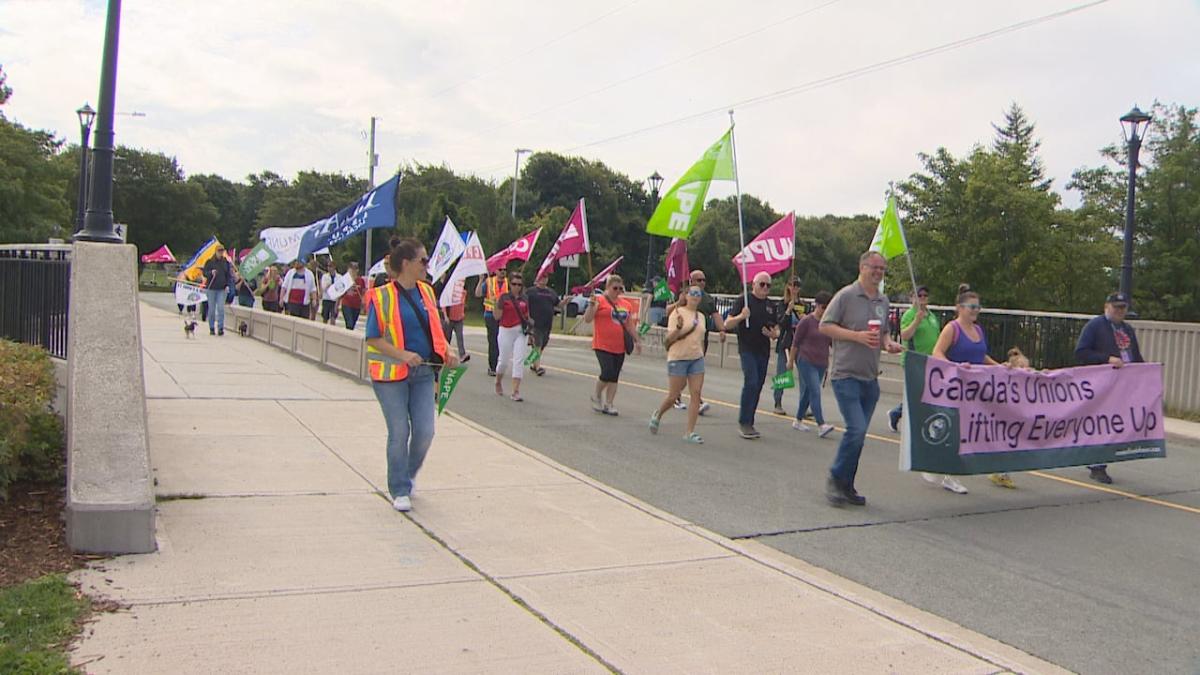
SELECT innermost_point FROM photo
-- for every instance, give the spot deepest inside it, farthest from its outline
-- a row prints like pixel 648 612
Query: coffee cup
pixel 874 325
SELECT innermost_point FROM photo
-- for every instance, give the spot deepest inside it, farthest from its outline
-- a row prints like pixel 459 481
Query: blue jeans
pixel 810 390
pixel 216 307
pixel 856 399
pixel 408 408
pixel 754 374
pixel 780 368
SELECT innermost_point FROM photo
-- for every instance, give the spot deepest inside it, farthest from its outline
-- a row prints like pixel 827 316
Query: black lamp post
pixel 86 117
pixel 655 181
pixel 98 222
pixel 1133 125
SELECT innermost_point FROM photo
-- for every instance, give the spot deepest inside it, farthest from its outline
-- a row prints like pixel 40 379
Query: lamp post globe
pixel 1133 125
pixel 86 117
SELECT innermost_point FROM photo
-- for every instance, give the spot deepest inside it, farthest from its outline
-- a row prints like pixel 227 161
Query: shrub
pixel 31 435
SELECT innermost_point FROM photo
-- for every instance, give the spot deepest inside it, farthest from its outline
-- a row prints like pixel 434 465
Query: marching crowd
pixel 839 342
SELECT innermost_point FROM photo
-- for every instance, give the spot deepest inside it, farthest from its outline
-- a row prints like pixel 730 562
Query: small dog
pixel 189 324
pixel 243 329
pixel 1017 359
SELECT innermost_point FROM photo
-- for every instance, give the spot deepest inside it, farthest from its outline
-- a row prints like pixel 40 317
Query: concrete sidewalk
pixel 278 552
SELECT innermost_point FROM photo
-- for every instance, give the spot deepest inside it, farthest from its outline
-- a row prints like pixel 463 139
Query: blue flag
pixel 373 210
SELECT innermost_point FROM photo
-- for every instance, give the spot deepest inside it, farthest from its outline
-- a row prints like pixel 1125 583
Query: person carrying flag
pixel 490 288
pixel 404 341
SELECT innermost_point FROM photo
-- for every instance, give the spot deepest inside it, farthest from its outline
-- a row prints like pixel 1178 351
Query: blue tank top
pixel 964 350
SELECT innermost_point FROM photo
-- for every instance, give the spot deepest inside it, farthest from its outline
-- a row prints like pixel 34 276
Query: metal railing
pixel 35 295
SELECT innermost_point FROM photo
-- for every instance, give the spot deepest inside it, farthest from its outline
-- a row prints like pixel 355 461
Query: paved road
pixel 1094 581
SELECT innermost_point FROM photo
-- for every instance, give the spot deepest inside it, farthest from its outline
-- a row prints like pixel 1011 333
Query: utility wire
pixel 851 74
pixel 518 57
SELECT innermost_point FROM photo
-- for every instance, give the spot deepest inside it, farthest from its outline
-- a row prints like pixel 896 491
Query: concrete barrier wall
pixel 1177 345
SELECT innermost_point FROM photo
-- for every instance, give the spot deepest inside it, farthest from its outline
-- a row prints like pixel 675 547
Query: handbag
pixel 628 339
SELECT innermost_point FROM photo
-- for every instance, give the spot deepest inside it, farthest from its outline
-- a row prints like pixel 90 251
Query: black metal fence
pixel 34 295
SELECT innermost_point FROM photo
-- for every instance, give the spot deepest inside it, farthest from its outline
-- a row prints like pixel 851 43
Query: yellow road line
pixel 1040 474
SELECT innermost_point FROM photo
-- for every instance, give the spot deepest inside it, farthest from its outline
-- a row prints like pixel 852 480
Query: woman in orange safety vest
pixel 404 342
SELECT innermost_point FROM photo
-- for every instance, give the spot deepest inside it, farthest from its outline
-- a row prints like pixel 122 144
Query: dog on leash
pixel 243 329
pixel 189 324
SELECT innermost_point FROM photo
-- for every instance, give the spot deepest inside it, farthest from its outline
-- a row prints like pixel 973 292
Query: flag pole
pixel 741 227
pixel 793 273
pixel 912 274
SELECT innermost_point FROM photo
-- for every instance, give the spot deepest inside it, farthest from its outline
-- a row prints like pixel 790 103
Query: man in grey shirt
pixel 856 321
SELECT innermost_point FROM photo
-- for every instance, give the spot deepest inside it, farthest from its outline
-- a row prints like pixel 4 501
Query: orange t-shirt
pixel 607 325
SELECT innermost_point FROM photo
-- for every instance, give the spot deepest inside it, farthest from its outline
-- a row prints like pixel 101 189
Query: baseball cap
pixel 1117 297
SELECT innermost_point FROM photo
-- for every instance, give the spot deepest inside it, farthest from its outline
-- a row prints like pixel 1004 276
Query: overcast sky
pixel 239 87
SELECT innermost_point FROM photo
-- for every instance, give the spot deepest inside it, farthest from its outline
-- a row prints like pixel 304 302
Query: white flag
pixel 378 268
pixel 447 249
pixel 285 241
pixel 472 263
pixel 188 294
pixel 341 284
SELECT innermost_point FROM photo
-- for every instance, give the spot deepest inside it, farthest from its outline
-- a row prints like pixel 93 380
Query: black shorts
pixel 541 336
pixel 327 307
pixel 610 365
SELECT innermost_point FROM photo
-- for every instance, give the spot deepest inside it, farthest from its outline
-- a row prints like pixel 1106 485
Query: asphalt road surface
pixel 1096 580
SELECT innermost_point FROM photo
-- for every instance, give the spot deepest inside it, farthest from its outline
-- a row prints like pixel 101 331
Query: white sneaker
pixel 597 405
pixel 680 405
pixel 951 484
pixel 402 503
pixel 704 406
pixel 825 430
pixel 931 478
pixel 799 426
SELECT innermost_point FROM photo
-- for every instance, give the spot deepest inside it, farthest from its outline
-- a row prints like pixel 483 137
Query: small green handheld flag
pixel 889 237
pixel 662 292
pixel 643 329
pixel 257 260
pixel 446 384
pixel 534 355
pixel 785 381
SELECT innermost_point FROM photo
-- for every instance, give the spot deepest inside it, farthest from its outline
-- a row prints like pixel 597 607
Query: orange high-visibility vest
pixel 495 288
pixel 385 302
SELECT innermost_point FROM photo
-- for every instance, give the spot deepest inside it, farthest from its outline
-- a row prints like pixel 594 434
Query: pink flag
pixel 573 241
pixel 677 265
pixel 520 249
pixel 769 252
pixel 599 278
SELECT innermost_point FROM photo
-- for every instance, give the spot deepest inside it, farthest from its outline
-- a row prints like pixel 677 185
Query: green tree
pixel 311 196
pixel 234 225
pixel 159 206
pixel 33 185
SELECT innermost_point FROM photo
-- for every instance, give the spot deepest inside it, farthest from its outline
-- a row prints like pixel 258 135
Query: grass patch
pixel 1183 415
pixel 37 619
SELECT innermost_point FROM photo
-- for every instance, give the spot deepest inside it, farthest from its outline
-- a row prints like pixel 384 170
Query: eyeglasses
pixel 762 284
pixel 518 284
pixel 877 268
pixel 699 280
pixel 695 294
pixel 423 261
pixel 1120 305
pixel 973 306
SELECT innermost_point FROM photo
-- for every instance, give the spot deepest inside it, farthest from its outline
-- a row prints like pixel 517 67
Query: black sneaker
pixel 748 432
pixel 853 498
pixel 465 358
pixel 491 372
pixel 221 332
pixel 1100 474
pixel 212 332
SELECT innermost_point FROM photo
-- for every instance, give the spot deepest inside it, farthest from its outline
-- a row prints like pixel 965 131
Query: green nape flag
pixel 677 212
pixel 785 381
pixel 889 238
pixel 534 355
pixel 662 292
pixel 446 384
pixel 256 260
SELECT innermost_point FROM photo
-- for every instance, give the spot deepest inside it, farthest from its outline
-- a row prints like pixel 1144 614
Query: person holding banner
pixel 613 336
pixel 512 317
pixel 854 321
pixel 685 361
pixel 490 288
pixel 756 326
pixel 351 301
pixel 963 341
pixel 1108 339
pixel 404 341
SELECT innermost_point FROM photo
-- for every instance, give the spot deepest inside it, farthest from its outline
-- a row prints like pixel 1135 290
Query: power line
pixel 851 74
pixel 518 57
pixel 661 66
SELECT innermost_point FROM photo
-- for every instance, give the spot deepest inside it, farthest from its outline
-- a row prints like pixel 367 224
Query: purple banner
pixel 1003 409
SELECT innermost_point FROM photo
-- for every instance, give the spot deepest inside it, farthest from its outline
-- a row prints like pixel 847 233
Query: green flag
pixel 889 238
pixel 785 381
pixel 446 384
pixel 256 260
pixel 662 292
pixel 534 355
pixel 677 212
pixel 643 328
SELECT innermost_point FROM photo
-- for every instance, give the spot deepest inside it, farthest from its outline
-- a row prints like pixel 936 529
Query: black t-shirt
pixel 216 272
pixel 542 302
pixel 762 315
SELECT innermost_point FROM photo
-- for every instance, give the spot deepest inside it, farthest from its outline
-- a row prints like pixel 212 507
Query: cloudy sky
pixel 238 87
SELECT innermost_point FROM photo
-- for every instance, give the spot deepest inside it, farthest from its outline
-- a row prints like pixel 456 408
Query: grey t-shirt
pixel 852 309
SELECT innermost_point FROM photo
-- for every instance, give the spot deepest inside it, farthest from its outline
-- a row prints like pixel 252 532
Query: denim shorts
pixel 685 368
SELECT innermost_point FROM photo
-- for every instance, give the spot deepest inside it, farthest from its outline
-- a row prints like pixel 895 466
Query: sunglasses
pixel 762 284
pixel 695 294
pixel 973 306
pixel 516 283
pixel 423 261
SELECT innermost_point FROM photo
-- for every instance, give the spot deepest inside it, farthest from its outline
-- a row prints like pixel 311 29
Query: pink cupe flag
pixel 769 252
pixel 677 265
pixel 520 249
pixel 599 278
pixel 573 240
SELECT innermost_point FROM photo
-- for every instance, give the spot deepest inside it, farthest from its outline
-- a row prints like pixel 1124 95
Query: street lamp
pixel 655 182
pixel 98 221
pixel 86 117
pixel 1133 125
pixel 516 168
